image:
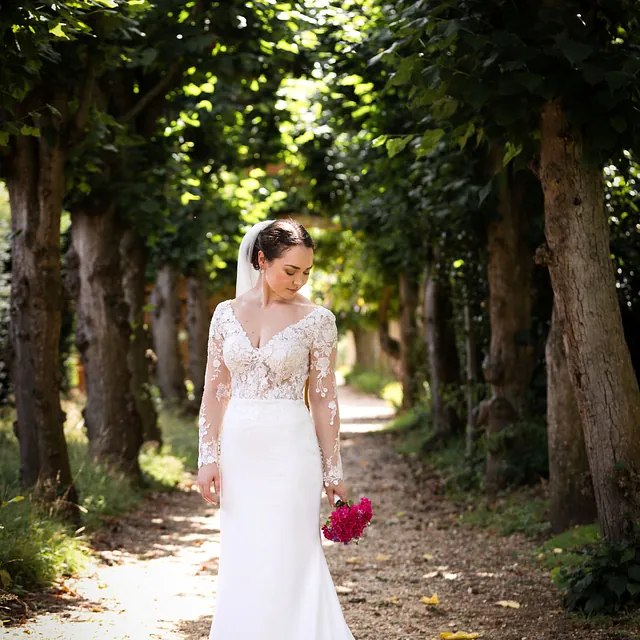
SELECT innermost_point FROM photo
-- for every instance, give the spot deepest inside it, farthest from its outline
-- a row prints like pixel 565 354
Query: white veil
pixel 247 276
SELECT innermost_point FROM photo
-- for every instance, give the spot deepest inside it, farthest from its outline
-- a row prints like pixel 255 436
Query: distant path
pixel 159 583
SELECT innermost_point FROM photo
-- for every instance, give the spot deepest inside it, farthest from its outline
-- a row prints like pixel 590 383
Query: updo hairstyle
pixel 277 237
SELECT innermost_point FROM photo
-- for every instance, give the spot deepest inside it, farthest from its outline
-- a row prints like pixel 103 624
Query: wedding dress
pixel 273 578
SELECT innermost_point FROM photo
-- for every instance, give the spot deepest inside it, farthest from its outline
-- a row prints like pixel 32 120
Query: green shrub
pixel 368 381
pixel 605 579
pixel 526 458
pixel 515 513
pixel 34 547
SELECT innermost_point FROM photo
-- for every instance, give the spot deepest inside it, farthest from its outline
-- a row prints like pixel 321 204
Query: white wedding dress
pixel 273 578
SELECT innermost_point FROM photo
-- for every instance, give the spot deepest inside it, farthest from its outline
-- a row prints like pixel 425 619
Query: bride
pixel 266 457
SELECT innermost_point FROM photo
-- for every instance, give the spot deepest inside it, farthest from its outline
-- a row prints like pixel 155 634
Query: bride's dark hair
pixel 279 236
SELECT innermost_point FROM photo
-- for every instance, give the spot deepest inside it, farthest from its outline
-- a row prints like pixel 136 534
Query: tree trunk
pixel 511 360
pixel 36 189
pixel 113 424
pixel 444 362
pixel 366 347
pixel 198 319
pixel 133 259
pixel 165 326
pixel 597 356
pixel 472 367
pixel 389 345
pixel 572 500
pixel 409 349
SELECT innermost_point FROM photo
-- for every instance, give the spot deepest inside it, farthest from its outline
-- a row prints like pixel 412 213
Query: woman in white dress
pixel 265 455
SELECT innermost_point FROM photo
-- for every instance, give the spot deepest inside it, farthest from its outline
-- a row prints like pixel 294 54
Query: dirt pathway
pixel 156 575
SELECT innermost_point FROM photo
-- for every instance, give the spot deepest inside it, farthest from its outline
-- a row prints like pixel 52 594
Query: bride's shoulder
pixel 311 307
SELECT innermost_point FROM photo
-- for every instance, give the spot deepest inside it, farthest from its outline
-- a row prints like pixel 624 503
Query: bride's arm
pixel 215 397
pixel 323 399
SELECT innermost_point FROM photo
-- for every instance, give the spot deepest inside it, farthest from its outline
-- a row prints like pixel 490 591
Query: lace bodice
pixel 276 370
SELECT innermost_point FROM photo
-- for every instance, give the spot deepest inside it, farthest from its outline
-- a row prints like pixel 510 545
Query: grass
pixel 559 551
pixel 375 383
pixel 520 511
pixel 36 547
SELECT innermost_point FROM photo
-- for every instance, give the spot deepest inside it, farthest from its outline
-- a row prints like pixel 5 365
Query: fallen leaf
pixel 450 576
pixel 382 556
pixel 427 556
pixel 442 567
pixel 354 560
pixel 458 635
pixel 558 550
pixel 364 463
pixel 400 514
pixel 511 604
pixel 431 574
pixel 341 589
pixel 432 600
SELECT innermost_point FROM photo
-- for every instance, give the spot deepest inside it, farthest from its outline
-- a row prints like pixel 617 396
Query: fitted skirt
pixel 273 578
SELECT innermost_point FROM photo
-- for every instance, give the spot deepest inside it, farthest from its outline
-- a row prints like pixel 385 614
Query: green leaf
pixel 462 140
pixel 4 138
pixel 633 588
pixel 618 584
pixel 634 572
pixel 630 553
pixel 595 603
pixel 58 31
pixel 510 152
pixel 379 141
pixel 5 578
pixel 574 51
pixel 483 194
pixel 396 145
pixel 430 141
pixel 444 109
pixel 617 79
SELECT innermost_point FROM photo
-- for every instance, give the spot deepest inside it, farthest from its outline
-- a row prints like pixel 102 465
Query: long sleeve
pixel 216 394
pixel 323 397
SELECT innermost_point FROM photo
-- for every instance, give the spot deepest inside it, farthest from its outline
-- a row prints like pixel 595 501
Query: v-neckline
pixel 277 333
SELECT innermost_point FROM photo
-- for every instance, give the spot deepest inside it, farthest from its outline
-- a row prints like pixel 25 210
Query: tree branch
pixel 86 100
pixel 162 86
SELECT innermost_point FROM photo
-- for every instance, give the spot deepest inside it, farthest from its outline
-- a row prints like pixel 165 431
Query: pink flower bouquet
pixel 348 521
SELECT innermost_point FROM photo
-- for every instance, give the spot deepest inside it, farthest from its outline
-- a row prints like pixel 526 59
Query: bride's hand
pixel 336 490
pixel 207 474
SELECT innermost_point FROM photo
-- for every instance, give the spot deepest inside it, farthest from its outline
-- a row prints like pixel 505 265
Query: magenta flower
pixel 348 521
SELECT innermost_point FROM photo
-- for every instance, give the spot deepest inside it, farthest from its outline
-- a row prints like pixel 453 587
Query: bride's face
pixel 289 273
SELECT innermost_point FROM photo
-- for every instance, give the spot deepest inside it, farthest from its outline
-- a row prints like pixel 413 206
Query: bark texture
pixel 165 325
pixel 511 359
pixel 388 344
pixel 111 418
pixel 198 319
pixel 36 188
pixel 597 356
pixel 134 261
pixel 444 362
pixel 472 367
pixel 366 348
pixel 409 348
pixel 571 489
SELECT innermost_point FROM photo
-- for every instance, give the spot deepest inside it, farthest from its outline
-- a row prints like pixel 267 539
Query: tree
pixel 46 109
pixel 551 70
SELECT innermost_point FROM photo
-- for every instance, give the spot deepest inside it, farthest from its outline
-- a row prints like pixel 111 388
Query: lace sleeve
pixel 323 397
pixel 215 397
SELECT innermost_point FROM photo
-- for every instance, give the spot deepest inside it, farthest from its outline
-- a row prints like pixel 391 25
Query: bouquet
pixel 348 521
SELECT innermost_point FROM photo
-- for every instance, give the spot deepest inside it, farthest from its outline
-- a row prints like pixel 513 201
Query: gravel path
pixel 154 577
